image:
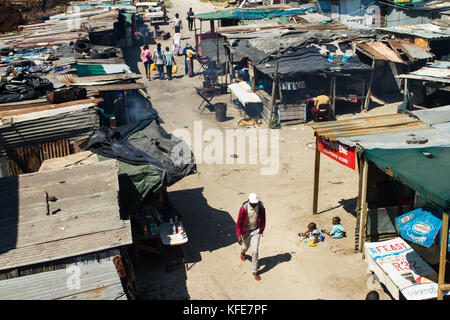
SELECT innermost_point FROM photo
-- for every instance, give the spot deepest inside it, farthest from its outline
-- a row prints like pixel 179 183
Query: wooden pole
pixel 360 165
pixel 406 92
pixel 333 106
pixel 369 89
pixel 316 177
pixel 195 35
pixel 442 259
pixel 274 92
pixel 226 66
pixel 363 215
pixel 252 75
pixel 364 84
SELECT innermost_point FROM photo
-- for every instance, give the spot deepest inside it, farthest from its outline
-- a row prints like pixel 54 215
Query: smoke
pixel 136 106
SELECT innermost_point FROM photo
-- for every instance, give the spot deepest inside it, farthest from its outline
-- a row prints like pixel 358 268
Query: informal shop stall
pixel 386 195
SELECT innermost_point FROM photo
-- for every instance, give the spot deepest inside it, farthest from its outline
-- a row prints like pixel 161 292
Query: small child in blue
pixel 337 232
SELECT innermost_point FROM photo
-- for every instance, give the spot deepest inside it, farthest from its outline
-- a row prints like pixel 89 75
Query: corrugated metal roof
pixel 439 64
pixel 427 31
pixel 428 74
pixel 412 51
pixel 83 219
pixel 432 72
pixel 335 130
pixel 434 116
pixel 69 122
pixel 379 51
pixel 394 131
pixel 98 281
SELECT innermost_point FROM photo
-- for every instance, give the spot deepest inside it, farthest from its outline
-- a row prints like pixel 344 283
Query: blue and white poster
pixel 419 226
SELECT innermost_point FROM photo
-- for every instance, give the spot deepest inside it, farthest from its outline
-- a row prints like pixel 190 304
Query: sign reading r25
pixel 404 265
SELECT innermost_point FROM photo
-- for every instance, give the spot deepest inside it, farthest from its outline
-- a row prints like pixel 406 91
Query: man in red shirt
pixel 249 227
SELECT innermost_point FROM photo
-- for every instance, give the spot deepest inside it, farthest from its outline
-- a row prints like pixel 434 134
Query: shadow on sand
pixel 271 262
pixel 349 205
pixel 208 229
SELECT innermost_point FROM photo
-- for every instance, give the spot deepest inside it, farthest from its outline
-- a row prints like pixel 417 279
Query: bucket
pixel 221 111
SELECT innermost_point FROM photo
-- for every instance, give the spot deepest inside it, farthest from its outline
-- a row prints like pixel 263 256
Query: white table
pixel 177 239
pixel 243 92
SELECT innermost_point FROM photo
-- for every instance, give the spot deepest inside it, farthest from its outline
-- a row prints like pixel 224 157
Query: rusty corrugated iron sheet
pixel 412 51
pixel 380 51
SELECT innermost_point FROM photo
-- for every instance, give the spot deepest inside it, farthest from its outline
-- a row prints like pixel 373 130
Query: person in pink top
pixel 146 57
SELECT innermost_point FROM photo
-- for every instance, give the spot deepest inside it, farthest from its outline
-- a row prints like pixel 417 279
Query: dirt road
pixel 209 202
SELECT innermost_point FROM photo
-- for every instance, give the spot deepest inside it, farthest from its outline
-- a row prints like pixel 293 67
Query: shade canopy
pixel 426 170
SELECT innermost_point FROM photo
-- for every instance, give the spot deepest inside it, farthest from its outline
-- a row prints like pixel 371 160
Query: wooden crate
pixel 29 159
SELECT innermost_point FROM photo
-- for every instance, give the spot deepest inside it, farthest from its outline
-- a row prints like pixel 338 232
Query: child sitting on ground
pixel 337 232
pixel 313 233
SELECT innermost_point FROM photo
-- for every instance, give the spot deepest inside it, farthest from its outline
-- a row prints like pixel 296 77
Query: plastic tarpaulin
pixel 303 53
pixel 250 14
pixel 136 182
pixel 426 170
pixel 420 226
pixel 145 142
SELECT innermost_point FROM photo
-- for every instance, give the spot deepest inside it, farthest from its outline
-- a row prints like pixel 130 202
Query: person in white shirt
pixel 178 23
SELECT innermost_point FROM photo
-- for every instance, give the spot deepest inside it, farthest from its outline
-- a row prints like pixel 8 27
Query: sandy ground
pixel 209 202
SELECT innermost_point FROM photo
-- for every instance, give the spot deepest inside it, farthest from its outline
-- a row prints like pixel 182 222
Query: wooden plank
pixel 369 89
pixel 274 86
pixel 83 196
pixel 59 227
pixel 333 104
pixel 360 166
pixel 115 87
pixel 66 248
pixel 445 287
pixel 68 175
pixel 443 255
pixel 363 215
pixel 14 111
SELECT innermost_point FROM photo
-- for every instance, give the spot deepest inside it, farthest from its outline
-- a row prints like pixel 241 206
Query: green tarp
pixel 430 177
pixel 135 183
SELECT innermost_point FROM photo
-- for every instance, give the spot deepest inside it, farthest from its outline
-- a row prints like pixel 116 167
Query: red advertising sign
pixel 341 153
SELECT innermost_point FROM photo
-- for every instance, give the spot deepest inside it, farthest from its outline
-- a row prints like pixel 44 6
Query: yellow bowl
pixel 312 244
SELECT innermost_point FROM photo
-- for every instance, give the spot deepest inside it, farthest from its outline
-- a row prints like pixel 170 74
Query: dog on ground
pixel 248 123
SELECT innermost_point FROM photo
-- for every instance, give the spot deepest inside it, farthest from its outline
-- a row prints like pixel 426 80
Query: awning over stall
pixel 426 170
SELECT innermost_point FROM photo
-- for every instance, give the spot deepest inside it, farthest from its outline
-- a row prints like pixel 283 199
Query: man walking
pixel 249 227
pixel 164 10
pixel 190 19
pixel 177 24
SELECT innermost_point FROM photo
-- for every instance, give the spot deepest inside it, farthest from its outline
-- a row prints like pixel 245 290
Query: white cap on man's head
pixel 252 198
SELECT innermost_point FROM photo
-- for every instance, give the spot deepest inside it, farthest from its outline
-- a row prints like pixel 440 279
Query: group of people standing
pixel 161 58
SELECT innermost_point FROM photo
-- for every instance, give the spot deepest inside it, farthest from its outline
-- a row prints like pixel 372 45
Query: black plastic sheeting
pixel 301 58
pixel 146 142
pixel 23 87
